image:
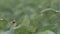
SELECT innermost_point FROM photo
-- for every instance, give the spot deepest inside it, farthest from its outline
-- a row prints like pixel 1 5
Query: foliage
pixel 36 16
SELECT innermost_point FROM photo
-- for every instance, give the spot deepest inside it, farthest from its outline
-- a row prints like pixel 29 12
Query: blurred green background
pixel 32 14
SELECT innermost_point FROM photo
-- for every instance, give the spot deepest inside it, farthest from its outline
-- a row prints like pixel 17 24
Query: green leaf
pixel 22 30
pixel 48 27
pixel 3 24
pixel 26 21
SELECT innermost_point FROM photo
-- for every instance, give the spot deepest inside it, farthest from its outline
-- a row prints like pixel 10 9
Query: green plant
pixel 32 16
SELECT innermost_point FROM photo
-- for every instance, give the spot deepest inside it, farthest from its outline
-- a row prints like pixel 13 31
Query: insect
pixel 14 21
pixel 11 28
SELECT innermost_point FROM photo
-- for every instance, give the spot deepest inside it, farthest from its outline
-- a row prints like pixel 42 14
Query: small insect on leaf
pixel 14 21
